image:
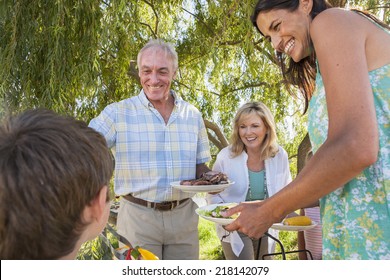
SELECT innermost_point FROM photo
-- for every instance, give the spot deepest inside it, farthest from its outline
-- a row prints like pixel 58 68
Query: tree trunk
pixel 219 139
pixel 304 149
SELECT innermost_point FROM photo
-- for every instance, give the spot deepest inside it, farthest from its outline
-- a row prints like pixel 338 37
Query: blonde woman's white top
pixel 277 173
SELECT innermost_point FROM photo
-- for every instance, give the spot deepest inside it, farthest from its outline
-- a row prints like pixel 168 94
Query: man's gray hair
pixel 168 48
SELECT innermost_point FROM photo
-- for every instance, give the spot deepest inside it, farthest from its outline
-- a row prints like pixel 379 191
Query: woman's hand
pixel 254 220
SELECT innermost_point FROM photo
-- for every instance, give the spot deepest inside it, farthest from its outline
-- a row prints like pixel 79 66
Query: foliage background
pixel 75 57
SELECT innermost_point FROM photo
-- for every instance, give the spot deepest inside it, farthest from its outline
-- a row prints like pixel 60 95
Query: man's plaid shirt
pixel 150 154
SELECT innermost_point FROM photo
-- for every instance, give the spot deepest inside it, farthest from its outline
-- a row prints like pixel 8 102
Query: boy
pixel 54 176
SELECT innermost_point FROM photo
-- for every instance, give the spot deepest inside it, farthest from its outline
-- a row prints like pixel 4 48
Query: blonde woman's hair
pixel 270 147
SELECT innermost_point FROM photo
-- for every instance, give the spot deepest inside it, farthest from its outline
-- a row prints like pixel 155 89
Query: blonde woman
pixel 258 166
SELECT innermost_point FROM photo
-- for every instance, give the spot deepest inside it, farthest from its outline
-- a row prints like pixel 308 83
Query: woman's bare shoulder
pixel 334 16
pixel 341 19
pixel 337 28
pixel 338 24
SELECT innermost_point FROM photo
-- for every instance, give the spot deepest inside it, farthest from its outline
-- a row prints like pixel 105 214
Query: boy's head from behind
pixel 54 173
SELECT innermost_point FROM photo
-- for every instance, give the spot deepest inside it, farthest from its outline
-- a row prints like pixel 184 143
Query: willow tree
pixel 75 57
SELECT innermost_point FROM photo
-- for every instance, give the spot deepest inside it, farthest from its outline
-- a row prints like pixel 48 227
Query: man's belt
pixel 161 206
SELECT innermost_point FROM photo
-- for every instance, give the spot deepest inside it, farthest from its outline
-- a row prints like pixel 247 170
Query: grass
pixel 210 246
pixel 289 241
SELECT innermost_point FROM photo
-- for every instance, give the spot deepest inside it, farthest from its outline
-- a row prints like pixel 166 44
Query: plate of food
pixel 209 182
pixel 297 223
pixel 212 213
pixel 201 188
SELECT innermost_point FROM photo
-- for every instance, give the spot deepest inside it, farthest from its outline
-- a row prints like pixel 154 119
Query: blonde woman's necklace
pixel 265 189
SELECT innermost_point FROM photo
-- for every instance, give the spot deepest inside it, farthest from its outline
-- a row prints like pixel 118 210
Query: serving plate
pixel 202 212
pixel 201 188
pixel 281 226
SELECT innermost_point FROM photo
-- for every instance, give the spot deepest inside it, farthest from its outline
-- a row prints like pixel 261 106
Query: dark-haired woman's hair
pixel 303 73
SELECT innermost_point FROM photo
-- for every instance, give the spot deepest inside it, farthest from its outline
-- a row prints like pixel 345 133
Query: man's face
pixel 156 74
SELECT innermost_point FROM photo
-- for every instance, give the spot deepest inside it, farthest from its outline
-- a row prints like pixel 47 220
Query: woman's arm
pixel 339 38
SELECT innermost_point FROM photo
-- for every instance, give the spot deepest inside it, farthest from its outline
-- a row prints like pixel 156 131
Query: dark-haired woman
pixel 340 60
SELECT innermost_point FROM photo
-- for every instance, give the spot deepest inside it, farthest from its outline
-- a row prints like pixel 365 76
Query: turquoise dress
pixel 355 217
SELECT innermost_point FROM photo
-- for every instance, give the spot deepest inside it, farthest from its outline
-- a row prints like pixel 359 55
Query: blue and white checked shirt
pixel 150 154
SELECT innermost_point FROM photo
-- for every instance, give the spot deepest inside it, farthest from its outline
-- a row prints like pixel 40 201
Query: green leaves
pixel 48 51
pixel 75 57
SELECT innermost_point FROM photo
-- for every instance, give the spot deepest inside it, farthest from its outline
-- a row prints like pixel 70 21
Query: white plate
pixel 280 226
pixel 221 221
pixel 200 188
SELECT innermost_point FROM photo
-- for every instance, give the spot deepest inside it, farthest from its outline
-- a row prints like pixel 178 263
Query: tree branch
pixel 245 86
pixel 219 141
pixel 196 89
pixel 200 20
pixel 155 14
pixel 151 29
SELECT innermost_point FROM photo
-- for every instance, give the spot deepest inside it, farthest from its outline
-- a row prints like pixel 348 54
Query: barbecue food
pixel 297 221
pixel 208 178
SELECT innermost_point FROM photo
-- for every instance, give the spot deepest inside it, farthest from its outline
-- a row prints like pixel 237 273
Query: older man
pixel 156 138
